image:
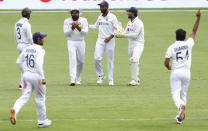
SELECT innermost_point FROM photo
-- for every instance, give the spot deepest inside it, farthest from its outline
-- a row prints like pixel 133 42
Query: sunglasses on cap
pixel 74 12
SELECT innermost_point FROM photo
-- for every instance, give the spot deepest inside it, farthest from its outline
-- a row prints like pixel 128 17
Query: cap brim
pixel 128 10
pixel 43 35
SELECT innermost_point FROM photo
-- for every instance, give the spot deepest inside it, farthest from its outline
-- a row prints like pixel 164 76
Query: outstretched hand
pixel 198 13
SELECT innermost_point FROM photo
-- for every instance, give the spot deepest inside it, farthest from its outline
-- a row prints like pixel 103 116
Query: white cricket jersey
pixel 22 32
pixel 180 52
pixel 31 60
pixel 75 35
pixel 135 31
pixel 105 25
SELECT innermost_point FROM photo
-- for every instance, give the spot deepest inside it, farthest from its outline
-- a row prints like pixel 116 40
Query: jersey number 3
pixel 179 56
pixel 18 33
pixel 30 60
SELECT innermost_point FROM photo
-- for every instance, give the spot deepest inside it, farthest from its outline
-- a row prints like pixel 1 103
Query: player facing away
pixel 23 34
pixel 180 54
pixel 105 42
pixel 135 34
pixel 30 62
pixel 75 29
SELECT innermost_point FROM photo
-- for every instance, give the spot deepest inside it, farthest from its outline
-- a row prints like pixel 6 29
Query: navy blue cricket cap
pixel 133 10
pixel 103 3
pixel 37 36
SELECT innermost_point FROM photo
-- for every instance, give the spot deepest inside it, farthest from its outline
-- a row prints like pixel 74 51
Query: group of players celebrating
pixel 75 29
pixel 31 58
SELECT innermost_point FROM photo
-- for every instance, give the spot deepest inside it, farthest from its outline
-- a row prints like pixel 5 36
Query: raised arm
pixel 193 33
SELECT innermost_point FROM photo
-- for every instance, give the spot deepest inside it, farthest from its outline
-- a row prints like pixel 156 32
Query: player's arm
pixel 137 29
pixel 40 61
pixel 108 38
pixel 20 61
pixel 168 57
pixel 115 20
pixel 193 33
pixel 167 63
pixel 67 28
pixel 15 38
pixel 29 34
pixel 84 30
pixel 95 26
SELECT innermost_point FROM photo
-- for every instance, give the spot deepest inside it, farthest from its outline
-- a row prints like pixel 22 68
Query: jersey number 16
pixel 30 60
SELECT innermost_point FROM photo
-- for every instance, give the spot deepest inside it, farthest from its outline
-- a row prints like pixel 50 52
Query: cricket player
pixel 75 29
pixel 180 54
pixel 23 34
pixel 105 42
pixel 135 34
pixel 30 63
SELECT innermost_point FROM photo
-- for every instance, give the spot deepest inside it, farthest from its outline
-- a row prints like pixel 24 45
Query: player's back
pixel 181 52
pixel 33 56
pixel 21 31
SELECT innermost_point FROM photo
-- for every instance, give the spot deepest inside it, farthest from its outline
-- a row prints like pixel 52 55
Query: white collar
pixel 25 19
pixel 136 18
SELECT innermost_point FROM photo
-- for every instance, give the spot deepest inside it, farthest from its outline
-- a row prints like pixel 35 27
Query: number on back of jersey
pixel 18 30
pixel 30 62
pixel 182 55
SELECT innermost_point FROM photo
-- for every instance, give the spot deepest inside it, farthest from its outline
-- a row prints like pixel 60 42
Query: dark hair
pixel 180 35
pixel 26 12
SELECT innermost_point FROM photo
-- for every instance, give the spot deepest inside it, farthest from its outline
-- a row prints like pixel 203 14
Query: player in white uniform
pixel 75 29
pixel 30 63
pixel 135 34
pixel 105 42
pixel 180 54
pixel 23 33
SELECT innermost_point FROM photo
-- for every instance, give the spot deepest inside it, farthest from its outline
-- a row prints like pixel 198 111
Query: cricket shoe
pixel 13 117
pixel 72 83
pixel 178 120
pixel 100 79
pixel 78 82
pixel 182 112
pixel 20 87
pixel 133 83
pixel 111 83
pixel 45 124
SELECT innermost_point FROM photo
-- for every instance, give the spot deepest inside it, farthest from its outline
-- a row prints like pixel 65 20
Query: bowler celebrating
pixel 75 29
pixel 180 54
pixel 105 42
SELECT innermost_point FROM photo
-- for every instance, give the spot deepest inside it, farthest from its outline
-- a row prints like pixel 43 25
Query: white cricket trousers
pixel 135 52
pixel 32 81
pixel 179 82
pixel 20 48
pixel 108 48
pixel 76 50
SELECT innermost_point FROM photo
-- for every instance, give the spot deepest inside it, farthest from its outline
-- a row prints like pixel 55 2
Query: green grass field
pixel 90 107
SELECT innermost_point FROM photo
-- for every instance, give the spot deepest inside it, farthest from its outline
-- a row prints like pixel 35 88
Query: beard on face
pixel 75 18
pixel 129 16
pixel 104 11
